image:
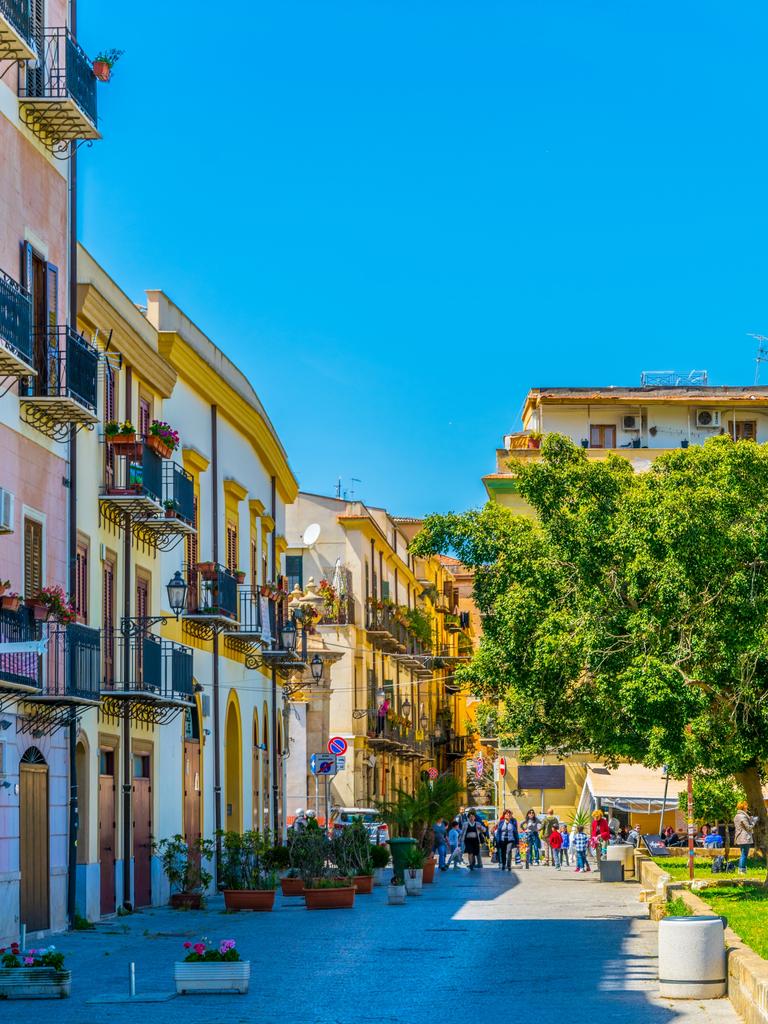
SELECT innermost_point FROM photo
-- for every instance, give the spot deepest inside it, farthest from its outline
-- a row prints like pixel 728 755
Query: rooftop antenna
pixel 353 480
pixel 762 353
pixel 338 488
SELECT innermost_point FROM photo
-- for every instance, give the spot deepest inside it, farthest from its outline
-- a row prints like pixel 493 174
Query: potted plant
pixel 183 867
pixel 323 889
pixel 33 973
pixel 4 585
pixel 162 439
pixel 10 602
pixel 52 603
pixel 103 63
pixel 247 881
pixel 396 891
pixel 534 439
pixel 414 871
pixel 211 969
pixel 240 576
pixel 207 570
pixel 351 853
pixel 380 859
pixel 278 858
pixel 292 883
pixel 170 508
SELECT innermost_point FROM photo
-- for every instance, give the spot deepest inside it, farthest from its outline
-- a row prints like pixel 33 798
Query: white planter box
pixel 34 983
pixel 224 977
pixel 413 881
pixel 396 895
pixel 381 876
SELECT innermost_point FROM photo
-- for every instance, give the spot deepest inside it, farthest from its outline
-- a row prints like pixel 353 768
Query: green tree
pixel 630 616
pixel 714 800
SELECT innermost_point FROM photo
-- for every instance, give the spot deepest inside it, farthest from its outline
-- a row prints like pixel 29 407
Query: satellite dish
pixel 310 535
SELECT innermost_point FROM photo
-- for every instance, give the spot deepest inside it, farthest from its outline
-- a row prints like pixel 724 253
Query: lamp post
pixel 316 668
pixel 177 593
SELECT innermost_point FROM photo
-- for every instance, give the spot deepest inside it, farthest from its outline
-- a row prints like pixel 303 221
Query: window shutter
pixel 142 598
pixel 81 583
pixel 231 547
pixel 192 543
pixel 33 557
pixel 144 416
pixel 26 265
pixel 107 613
pixel 294 571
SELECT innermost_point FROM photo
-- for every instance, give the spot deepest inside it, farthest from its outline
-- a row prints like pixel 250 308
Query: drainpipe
pixel 126 723
pixel 216 709
pixel 273 573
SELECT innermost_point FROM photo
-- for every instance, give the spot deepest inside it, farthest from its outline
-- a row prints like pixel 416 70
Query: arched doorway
pixel 107 833
pixel 266 816
pixel 256 773
pixel 233 759
pixel 34 841
pixel 192 786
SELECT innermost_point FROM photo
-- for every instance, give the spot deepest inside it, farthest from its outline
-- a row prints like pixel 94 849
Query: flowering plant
pixel 112 428
pixel 57 603
pixel 166 433
pixel 329 595
pixel 201 953
pixel 13 956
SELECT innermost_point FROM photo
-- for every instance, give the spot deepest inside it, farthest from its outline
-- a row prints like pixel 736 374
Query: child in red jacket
pixel 555 841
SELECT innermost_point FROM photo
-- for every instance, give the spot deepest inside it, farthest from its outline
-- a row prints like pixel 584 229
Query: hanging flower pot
pixel 158 446
pixel 102 70
pixel 240 577
pixel 38 608
pixel 10 602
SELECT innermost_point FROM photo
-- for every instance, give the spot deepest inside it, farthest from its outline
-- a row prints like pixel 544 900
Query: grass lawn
pixel 747 912
pixel 702 867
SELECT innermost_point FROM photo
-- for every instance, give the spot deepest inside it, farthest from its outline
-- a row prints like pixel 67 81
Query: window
pixel 110 413
pixel 232 547
pixel 193 557
pixel 108 617
pixel 744 430
pixel 602 435
pixel 254 563
pixel 145 415
pixel 142 597
pixel 294 571
pixel 385 590
pixel 81 581
pixel 33 557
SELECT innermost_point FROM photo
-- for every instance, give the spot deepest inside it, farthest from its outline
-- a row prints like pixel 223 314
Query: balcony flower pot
pixel 39 610
pixel 158 446
pixel 124 444
pixel 413 878
pixel 170 513
pixel 207 570
pixel 102 70
pixel 10 602
pixel 292 886
pixel 34 983
pixel 240 577
pixel 396 895
pixel 249 899
pixel 429 871
pixel 212 977
pixel 338 898
pixel 186 900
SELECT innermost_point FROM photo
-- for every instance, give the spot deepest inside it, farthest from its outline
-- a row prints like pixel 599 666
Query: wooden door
pixel 107 838
pixel 191 790
pixel 142 831
pixel 33 845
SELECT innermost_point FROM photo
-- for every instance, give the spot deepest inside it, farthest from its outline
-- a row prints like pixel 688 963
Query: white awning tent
pixel 629 787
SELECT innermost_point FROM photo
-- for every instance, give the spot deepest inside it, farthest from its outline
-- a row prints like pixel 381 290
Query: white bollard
pixel 692 958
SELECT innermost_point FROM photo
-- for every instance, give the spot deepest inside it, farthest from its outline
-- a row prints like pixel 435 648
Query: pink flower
pixel 226 945
pixel 28 961
pixel 199 948
pixel 187 945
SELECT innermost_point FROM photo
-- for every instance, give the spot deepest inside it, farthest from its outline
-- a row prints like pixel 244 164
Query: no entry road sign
pixel 337 745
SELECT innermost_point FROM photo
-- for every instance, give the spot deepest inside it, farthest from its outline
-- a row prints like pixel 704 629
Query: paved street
pixel 578 947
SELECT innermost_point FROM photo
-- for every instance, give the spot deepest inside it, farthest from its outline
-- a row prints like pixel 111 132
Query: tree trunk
pixel 749 780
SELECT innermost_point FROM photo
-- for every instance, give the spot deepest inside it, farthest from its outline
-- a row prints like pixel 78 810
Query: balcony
pixel 397 738
pixel 19 667
pixel 212 600
pixel 343 613
pixel 15 326
pixel 15 31
pixel 456 747
pixel 255 625
pixel 386 633
pixel 144 676
pixel 63 392
pixel 57 97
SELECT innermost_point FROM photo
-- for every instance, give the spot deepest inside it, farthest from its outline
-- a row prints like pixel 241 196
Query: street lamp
pixel 316 668
pixel 177 593
pixel 406 708
pixel 288 636
pixel 423 722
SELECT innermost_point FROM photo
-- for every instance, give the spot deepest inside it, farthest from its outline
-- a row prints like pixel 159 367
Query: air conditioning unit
pixel 6 511
pixel 631 422
pixel 707 418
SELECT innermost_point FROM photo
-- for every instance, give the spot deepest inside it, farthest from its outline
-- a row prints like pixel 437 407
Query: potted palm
pixel 33 974
pixel 214 968
pixel 183 867
pixel 323 889
pixel 247 881
pixel 396 891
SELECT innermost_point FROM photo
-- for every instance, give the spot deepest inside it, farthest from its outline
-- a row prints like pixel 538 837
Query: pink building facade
pixel 47 387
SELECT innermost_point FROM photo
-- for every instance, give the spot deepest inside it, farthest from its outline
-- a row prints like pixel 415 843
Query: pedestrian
pixel 713 840
pixel 470 837
pixel 565 846
pixel 601 834
pixel 531 827
pixel 548 825
pixel 454 845
pixel 555 843
pixel 439 830
pixel 300 821
pixel 381 716
pixel 744 833
pixel 580 844
pixel 633 836
pixel 507 840
pixel 614 825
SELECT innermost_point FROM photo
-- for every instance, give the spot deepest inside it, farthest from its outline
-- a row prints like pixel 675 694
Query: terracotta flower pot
pixel 429 871
pixel 240 577
pixel 170 513
pixel 363 884
pixel 249 899
pixel 102 70
pixel 292 886
pixel 39 610
pixel 330 899
pixel 159 446
pixel 186 900
pixel 9 604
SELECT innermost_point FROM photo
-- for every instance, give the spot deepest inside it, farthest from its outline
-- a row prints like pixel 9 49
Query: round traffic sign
pixel 432 773
pixel 337 745
pixel 502 767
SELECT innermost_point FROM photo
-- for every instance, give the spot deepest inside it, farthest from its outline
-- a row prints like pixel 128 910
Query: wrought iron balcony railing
pixel 58 94
pixel 144 664
pixel 134 472
pixel 15 31
pixel 343 614
pixel 15 327
pixel 63 393
pixel 65 668
pixel 178 487
pixel 212 592
pixel 20 668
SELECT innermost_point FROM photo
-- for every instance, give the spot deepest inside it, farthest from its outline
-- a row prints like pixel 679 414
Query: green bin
pixel 399 849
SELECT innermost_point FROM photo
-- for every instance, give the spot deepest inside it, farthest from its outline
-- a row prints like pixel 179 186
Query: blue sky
pixel 397 217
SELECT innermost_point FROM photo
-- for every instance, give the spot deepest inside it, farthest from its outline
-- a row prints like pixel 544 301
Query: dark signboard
pixel 656 846
pixel 541 776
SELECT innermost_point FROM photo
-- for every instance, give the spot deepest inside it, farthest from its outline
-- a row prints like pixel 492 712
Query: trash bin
pixel 611 871
pixel 626 855
pixel 692 958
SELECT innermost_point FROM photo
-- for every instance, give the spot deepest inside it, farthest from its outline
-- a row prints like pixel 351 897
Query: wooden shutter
pixel 110 407
pixel 108 618
pixel 54 368
pixel 81 582
pixel 254 564
pixel 142 597
pixel 145 414
pixel 33 557
pixel 232 547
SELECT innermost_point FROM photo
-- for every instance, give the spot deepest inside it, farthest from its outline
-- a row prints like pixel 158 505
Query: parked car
pixel 378 830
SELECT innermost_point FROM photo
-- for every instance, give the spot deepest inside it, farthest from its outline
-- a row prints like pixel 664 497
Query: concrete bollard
pixel 626 854
pixel 692 958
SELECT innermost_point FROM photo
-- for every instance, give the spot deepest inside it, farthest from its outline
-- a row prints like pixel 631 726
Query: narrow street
pixel 574 947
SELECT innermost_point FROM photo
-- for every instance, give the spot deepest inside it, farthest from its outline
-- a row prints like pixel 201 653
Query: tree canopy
pixel 629 615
